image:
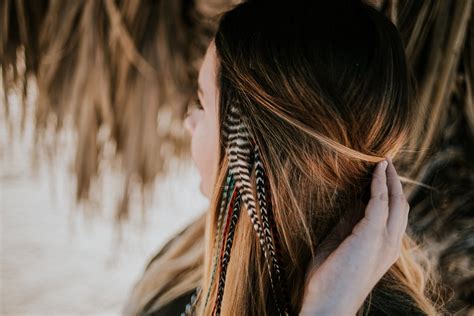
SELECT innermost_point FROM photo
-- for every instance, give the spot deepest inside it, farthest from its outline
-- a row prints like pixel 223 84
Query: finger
pixel 405 219
pixel 397 202
pixel 377 208
pixel 404 223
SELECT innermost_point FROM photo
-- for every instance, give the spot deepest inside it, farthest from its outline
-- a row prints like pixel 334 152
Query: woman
pixel 296 105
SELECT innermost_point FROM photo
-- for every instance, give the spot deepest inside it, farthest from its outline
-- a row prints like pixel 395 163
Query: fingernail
pixel 384 164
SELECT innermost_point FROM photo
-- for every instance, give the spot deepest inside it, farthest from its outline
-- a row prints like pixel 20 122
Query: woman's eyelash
pixel 198 104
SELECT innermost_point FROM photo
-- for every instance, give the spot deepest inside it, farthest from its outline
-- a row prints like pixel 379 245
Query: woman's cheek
pixel 213 156
pixel 199 152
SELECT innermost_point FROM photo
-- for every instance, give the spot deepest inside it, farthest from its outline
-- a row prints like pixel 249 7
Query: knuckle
pixel 383 196
pixel 397 196
pixel 367 224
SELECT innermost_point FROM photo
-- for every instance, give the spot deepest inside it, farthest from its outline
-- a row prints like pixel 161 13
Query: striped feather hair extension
pixel 269 232
pixel 232 218
pixel 229 187
pixel 239 151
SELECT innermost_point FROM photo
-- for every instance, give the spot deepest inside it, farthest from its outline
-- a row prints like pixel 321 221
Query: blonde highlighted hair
pixel 327 92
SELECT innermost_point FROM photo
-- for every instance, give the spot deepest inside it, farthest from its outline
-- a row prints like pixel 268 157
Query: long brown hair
pixel 327 92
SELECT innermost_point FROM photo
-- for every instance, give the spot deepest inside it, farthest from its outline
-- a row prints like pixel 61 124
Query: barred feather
pixel 225 256
pixel 218 236
pixel 240 165
pixel 264 212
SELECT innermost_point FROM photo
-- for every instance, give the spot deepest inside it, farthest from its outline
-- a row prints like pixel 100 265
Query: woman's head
pixel 323 89
pixel 304 76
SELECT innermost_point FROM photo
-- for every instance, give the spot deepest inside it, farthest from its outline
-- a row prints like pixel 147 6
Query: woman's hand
pixel 340 284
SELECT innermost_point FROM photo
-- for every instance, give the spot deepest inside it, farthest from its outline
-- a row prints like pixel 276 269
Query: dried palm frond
pixel 123 71
pixel 20 24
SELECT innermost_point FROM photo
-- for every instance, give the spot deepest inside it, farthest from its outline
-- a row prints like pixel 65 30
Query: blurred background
pixel 61 258
pixel 95 170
